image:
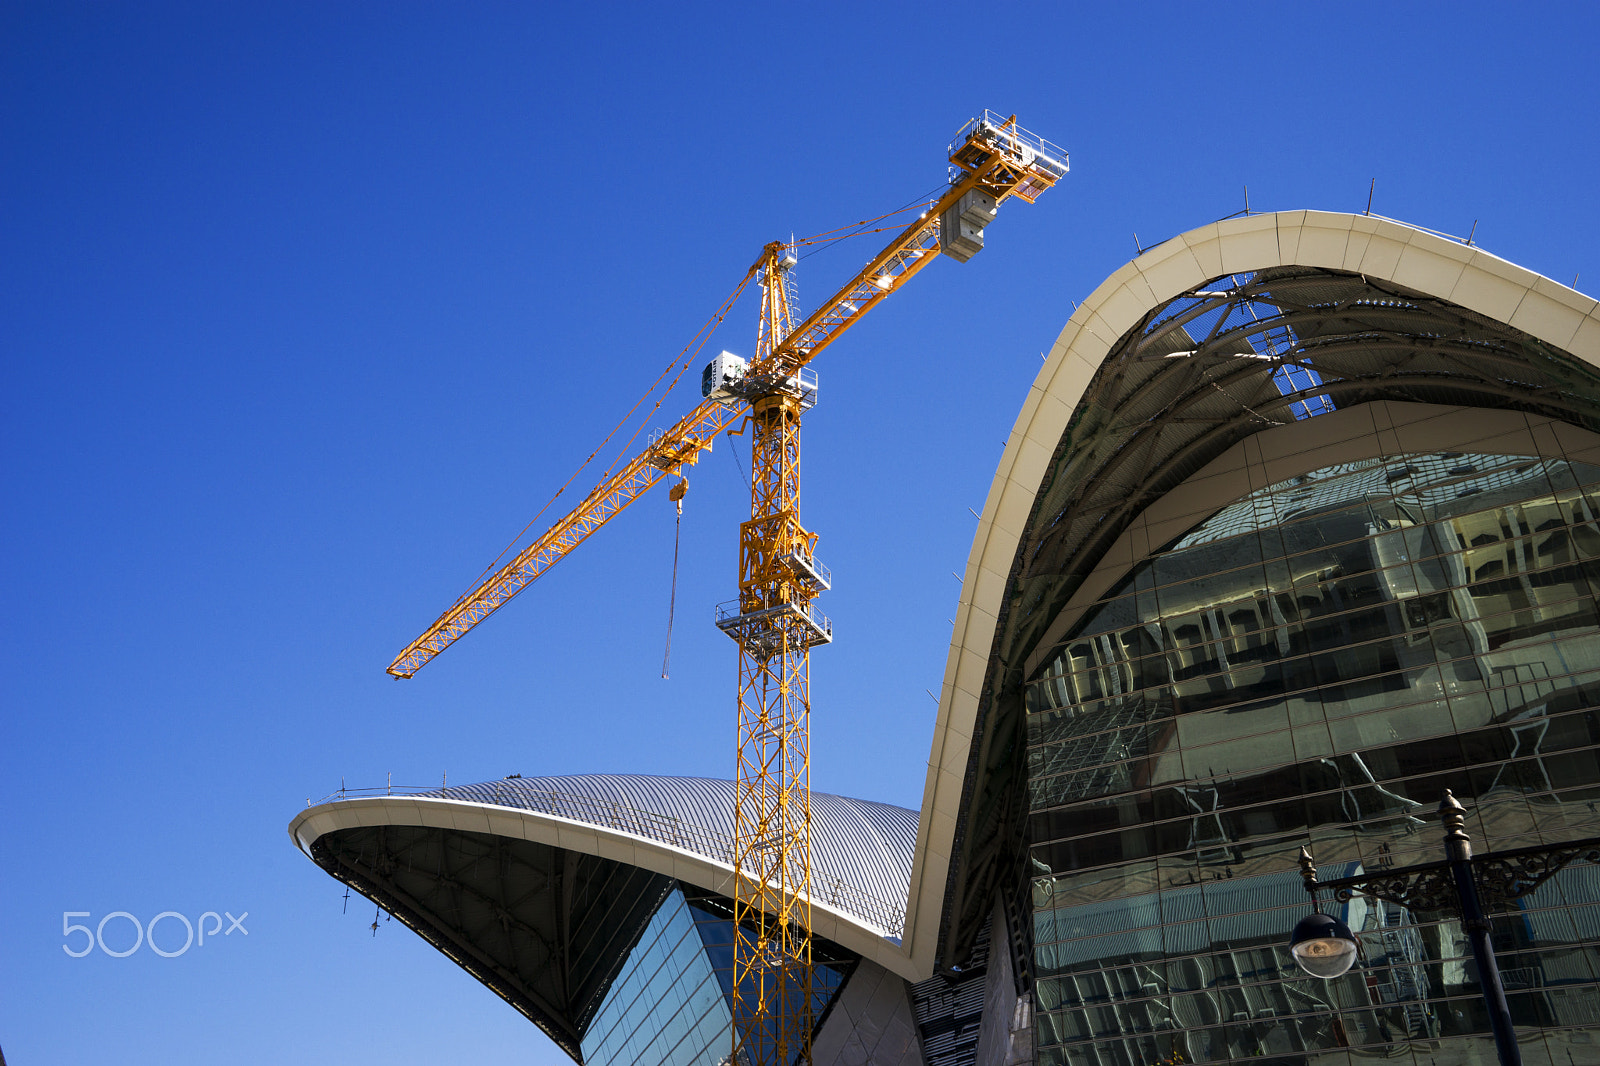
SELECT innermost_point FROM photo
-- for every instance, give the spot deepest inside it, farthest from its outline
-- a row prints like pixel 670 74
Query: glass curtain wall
pixel 666 1006
pixel 713 916
pixel 671 1003
pixel 1316 663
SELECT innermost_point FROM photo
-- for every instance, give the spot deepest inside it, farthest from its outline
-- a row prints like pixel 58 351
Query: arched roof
pixel 860 850
pixel 678 827
pixel 1167 365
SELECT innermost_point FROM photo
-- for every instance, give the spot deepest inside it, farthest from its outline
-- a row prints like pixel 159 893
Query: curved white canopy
pixel 1370 247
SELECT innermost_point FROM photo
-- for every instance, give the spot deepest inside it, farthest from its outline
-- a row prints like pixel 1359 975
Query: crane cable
pixel 819 241
pixel 696 343
pixel 838 233
pixel 675 494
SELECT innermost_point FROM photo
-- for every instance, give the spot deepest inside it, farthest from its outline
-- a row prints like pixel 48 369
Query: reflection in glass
pixel 1318 661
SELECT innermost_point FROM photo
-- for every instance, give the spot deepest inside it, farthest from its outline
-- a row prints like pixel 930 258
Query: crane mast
pixel 775 627
pixel 773 620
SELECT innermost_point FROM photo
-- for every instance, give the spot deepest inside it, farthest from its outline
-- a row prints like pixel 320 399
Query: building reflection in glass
pixel 1319 660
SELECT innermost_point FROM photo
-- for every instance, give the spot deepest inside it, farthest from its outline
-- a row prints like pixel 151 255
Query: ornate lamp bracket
pixel 1423 888
pixel 1463 884
pixel 1502 877
pixel 1508 875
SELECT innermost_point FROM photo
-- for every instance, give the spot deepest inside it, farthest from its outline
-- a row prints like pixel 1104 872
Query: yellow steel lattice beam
pixel 986 165
pixel 773 975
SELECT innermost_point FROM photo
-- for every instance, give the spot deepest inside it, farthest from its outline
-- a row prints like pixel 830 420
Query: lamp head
pixel 1323 946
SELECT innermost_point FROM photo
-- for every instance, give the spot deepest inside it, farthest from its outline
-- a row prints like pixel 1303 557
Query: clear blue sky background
pixel 308 307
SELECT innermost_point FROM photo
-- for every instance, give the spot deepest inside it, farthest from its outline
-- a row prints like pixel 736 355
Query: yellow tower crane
pixel 772 620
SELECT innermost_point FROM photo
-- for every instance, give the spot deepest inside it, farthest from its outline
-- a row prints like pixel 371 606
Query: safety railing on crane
pixel 1046 161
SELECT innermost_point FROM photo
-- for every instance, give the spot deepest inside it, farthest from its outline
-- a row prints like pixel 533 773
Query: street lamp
pixel 1325 947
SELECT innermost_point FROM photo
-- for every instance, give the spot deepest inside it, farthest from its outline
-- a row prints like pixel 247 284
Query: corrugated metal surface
pixel 860 851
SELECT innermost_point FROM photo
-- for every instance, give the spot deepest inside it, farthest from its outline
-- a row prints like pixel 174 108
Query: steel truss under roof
pixel 1222 361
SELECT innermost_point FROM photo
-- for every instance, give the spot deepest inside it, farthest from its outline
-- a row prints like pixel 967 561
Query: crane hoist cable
pixel 675 494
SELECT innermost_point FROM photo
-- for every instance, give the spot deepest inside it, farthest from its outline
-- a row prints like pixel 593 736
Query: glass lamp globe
pixel 1323 946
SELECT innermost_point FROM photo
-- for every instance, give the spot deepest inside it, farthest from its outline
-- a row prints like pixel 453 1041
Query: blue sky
pixel 308 307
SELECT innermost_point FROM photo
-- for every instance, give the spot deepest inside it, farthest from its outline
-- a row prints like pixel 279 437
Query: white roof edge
pixel 828 921
pixel 1379 248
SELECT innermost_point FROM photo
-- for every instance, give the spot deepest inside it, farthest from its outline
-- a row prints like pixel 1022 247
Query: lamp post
pixel 1325 947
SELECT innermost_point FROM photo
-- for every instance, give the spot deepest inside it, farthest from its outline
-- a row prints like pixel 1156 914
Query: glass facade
pixel 666 1006
pixel 671 1003
pixel 1315 664
pixel 713 916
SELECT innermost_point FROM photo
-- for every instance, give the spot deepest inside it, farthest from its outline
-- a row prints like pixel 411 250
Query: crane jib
pixel 997 160
pixel 682 444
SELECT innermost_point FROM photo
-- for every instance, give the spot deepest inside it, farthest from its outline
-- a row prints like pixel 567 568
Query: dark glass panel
pixel 1398 627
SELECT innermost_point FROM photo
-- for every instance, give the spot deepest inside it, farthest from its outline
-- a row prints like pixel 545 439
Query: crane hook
pixel 677 492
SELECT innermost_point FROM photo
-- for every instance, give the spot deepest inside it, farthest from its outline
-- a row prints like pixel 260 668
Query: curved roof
pixel 1176 358
pixel 677 827
pixel 860 850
